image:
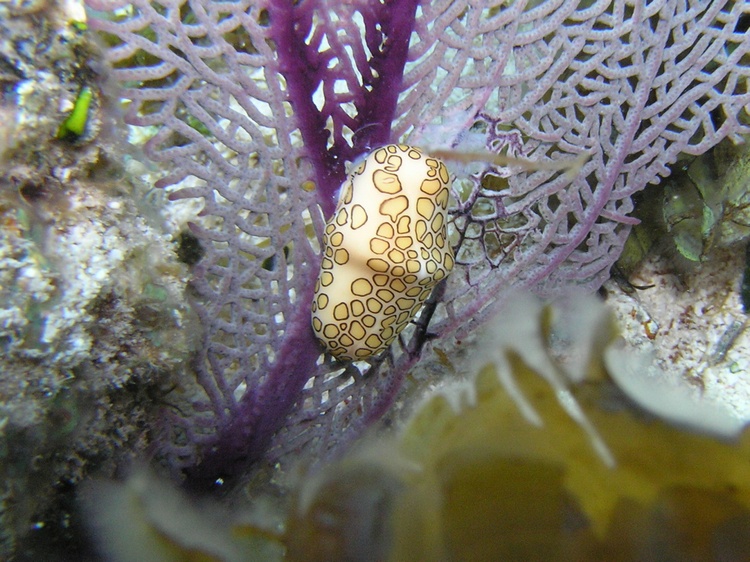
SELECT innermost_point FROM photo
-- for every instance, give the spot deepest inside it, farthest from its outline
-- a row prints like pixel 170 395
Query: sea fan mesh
pixel 256 107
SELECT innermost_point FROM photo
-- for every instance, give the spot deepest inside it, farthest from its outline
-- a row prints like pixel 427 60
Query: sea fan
pixel 257 107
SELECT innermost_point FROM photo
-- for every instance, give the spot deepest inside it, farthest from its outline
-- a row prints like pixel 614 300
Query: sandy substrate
pixel 693 322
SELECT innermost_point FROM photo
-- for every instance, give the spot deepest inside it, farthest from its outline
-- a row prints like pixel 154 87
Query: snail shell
pixel 385 248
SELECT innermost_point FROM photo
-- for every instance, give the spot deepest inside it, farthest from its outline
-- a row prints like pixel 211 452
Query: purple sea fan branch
pixel 372 78
pixel 213 87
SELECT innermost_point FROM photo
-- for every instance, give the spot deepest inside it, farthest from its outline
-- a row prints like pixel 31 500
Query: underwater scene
pixel 374 280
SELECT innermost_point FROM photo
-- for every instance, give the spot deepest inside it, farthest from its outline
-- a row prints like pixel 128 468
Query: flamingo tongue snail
pixel 385 248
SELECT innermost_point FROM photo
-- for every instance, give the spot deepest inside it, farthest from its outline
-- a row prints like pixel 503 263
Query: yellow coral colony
pixel 384 249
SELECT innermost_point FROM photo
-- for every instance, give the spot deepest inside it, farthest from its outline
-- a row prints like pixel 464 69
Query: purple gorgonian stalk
pixel 258 107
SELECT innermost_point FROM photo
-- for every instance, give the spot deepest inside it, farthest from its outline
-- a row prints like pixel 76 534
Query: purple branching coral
pixel 258 106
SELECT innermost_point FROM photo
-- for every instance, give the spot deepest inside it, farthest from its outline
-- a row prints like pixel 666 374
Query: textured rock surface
pixel 92 314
